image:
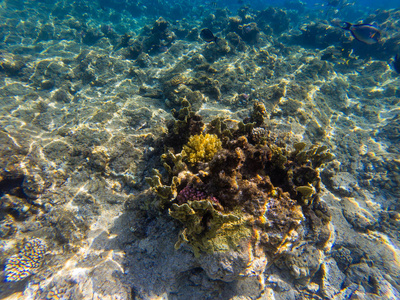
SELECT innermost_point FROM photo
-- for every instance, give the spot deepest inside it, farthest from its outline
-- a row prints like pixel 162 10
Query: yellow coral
pixel 201 148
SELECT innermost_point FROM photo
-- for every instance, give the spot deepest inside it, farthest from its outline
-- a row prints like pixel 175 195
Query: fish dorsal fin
pixel 372 25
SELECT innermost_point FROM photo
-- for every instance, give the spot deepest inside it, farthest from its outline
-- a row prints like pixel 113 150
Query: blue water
pixel 181 8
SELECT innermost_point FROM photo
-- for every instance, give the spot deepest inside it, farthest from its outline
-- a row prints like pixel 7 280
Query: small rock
pixel 360 218
pixel 61 96
pixel 371 281
pixel 249 287
pixel 47 84
pixel 343 183
pixel 278 284
pixel 302 262
pixel 33 185
pixel 231 265
pixel 312 287
pixel 343 257
pixel 332 278
pixel 347 292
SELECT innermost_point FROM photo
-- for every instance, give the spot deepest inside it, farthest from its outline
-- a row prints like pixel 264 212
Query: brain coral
pixel 26 262
pixel 201 148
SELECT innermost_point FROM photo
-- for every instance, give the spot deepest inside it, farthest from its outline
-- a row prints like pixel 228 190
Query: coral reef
pixel 322 35
pixel 201 148
pixel 87 89
pixel 206 228
pixel 153 40
pixel 242 188
pixel 248 32
pixel 186 124
pixel 275 18
pixel 26 262
pixel 216 50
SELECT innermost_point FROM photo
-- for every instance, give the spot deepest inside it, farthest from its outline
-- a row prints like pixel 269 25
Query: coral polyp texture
pixel 234 192
pixel 201 148
pixel 26 262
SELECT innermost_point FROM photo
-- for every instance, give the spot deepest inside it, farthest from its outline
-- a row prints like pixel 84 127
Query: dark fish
pixel 365 33
pixel 396 63
pixel 207 35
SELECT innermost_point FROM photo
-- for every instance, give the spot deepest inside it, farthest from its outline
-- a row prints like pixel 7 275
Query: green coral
pixel 207 229
pixel 201 148
pixel 258 114
pixel 187 121
pixel 318 155
pixel 173 163
pixel 307 192
pixel 165 192
pixel 182 116
pixel 279 156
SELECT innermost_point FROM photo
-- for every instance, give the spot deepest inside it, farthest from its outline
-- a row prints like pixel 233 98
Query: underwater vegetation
pixel 232 186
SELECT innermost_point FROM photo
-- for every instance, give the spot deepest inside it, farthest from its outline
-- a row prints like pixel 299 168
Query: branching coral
pixel 201 148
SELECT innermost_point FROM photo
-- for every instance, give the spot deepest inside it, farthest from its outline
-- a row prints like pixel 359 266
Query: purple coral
pixel 188 193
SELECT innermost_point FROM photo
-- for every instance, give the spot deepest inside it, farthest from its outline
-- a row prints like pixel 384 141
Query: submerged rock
pixel 332 278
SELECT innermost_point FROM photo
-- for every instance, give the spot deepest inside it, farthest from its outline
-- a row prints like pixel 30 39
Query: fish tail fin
pixel 347 26
pixel 215 40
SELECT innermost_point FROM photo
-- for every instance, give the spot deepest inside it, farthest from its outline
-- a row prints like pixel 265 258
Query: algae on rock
pixel 207 229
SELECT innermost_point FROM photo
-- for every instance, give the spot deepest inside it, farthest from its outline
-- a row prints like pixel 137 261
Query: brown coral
pixel 246 183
